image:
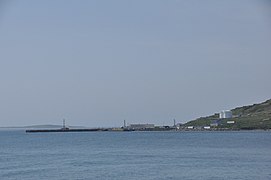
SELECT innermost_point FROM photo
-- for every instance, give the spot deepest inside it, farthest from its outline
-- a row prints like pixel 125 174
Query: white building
pixel 230 122
pixel 225 114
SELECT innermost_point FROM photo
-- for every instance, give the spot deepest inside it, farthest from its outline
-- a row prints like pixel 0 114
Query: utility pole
pixel 124 123
pixel 64 124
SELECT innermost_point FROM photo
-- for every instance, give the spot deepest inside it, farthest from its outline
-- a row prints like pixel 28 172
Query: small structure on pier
pixel 141 126
pixel 64 125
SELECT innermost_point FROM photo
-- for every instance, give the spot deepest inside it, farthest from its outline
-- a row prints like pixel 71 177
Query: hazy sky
pixel 97 62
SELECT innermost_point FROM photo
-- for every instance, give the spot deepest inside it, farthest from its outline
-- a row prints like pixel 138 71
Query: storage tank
pixel 225 114
pixel 228 114
pixel 221 114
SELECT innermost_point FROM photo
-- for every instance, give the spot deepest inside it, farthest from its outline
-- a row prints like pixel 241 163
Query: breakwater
pixel 97 129
pixel 66 130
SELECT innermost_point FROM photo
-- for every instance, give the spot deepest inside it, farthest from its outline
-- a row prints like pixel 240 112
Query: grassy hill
pixel 256 116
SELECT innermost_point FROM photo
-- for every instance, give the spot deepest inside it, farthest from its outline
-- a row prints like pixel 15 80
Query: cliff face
pixel 256 116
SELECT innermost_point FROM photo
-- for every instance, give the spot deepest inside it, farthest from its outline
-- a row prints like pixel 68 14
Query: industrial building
pixel 141 126
pixel 215 123
pixel 225 114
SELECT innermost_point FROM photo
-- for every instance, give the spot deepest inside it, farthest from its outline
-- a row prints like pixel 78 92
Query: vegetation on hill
pixel 256 116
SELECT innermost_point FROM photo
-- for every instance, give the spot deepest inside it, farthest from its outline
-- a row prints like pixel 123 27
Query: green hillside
pixel 256 116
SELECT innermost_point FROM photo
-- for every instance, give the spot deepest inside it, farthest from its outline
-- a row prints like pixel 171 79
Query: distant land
pixel 251 117
pixel 256 116
pixel 46 126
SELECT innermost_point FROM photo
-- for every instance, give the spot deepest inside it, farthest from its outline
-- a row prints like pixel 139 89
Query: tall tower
pixel 64 124
pixel 124 123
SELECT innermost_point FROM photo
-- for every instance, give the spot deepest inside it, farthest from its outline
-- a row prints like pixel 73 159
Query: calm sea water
pixel 135 155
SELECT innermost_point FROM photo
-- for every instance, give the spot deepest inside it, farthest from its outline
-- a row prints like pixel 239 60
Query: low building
pixel 215 123
pixel 179 126
pixel 230 122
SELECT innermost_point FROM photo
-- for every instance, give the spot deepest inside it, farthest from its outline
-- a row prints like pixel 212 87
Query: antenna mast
pixel 64 124
pixel 124 123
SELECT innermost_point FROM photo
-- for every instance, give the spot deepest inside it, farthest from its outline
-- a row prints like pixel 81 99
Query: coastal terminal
pixel 131 127
pixel 147 127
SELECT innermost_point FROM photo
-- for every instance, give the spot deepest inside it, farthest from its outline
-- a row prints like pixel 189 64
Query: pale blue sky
pixel 96 63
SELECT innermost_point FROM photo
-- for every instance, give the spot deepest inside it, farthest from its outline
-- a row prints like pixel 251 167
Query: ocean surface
pixel 135 155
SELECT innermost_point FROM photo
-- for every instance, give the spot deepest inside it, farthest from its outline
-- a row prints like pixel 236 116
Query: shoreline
pixel 140 130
